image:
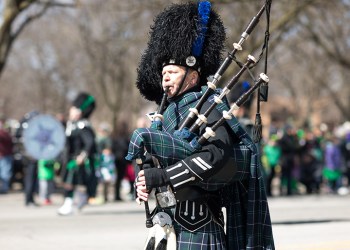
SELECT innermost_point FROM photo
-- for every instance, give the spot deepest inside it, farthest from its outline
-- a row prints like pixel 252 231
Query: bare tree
pixel 112 38
pixel 325 26
pixel 311 63
pixel 11 25
pixel 96 47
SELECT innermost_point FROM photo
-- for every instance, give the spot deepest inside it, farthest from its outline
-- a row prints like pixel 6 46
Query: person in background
pixel 130 177
pixel 345 149
pixel 6 157
pixel 272 152
pixel 120 149
pixel 107 170
pixel 289 146
pixel 46 175
pixel 310 163
pixel 103 137
pixel 81 153
pixel 30 164
pixel 333 163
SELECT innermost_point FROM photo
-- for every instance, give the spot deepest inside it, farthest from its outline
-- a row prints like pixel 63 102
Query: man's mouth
pixel 166 89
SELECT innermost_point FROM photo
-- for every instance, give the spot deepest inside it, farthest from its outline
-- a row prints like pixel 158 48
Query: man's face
pixel 172 78
pixel 74 113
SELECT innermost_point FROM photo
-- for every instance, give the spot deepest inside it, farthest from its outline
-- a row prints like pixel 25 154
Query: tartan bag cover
pixel 248 217
pixel 161 143
pixel 168 149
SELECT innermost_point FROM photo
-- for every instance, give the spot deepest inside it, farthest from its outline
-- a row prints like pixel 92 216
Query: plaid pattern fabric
pixel 161 143
pixel 247 211
pixel 211 236
pixel 248 219
pixel 167 148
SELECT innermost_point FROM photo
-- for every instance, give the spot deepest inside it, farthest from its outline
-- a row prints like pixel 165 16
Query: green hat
pixel 86 103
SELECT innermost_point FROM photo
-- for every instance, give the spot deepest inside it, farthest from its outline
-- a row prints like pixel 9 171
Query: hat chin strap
pixel 182 83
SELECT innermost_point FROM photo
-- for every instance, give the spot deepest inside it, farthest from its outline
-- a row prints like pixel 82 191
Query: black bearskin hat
pixel 189 34
pixel 86 103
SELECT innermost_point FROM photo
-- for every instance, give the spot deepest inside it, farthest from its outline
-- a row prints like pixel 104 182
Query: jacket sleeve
pixel 88 139
pixel 206 162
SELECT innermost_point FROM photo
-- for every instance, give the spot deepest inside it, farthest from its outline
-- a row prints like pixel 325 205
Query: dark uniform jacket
pixel 81 140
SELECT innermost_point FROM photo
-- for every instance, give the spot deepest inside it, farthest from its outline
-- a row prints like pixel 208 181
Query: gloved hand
pixel 148 179
pixel 155 177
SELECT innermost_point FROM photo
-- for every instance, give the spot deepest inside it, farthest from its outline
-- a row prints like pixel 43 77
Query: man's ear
pixel 194 77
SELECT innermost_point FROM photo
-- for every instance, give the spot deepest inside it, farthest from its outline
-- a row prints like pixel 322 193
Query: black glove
pixel 155 177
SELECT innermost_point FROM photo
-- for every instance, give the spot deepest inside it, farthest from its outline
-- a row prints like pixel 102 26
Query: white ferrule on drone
pixel 209 133
pixel 193 112
pixel 264 77
pixel 233 108
pixel 226 115
pixel 237 46
pixel 211 85
pixel 217 100
pixel 201 119
pixel 252 58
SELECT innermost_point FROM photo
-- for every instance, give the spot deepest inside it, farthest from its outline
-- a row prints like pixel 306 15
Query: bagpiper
pixel 81 152
pixel 185 48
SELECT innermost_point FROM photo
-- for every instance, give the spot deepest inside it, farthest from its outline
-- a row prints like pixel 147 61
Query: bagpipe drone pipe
pixel 170 148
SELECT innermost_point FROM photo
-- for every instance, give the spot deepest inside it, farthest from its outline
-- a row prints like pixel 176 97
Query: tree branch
pixel 45 6
pixel 335 56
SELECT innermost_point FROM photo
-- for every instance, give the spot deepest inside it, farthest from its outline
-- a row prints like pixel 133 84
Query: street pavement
pixel 299 222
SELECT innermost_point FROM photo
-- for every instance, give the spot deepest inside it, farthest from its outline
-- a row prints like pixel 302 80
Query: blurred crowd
pixel 39 179
pixel 295 160
pixel 305 161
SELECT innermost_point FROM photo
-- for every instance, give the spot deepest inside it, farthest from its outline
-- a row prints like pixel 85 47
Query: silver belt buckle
pixel 166 199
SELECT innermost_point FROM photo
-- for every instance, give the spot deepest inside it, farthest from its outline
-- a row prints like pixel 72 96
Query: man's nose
pixel 166 78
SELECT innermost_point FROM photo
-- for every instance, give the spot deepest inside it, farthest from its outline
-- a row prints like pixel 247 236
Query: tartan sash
pixel 167 148
pixel 158 140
